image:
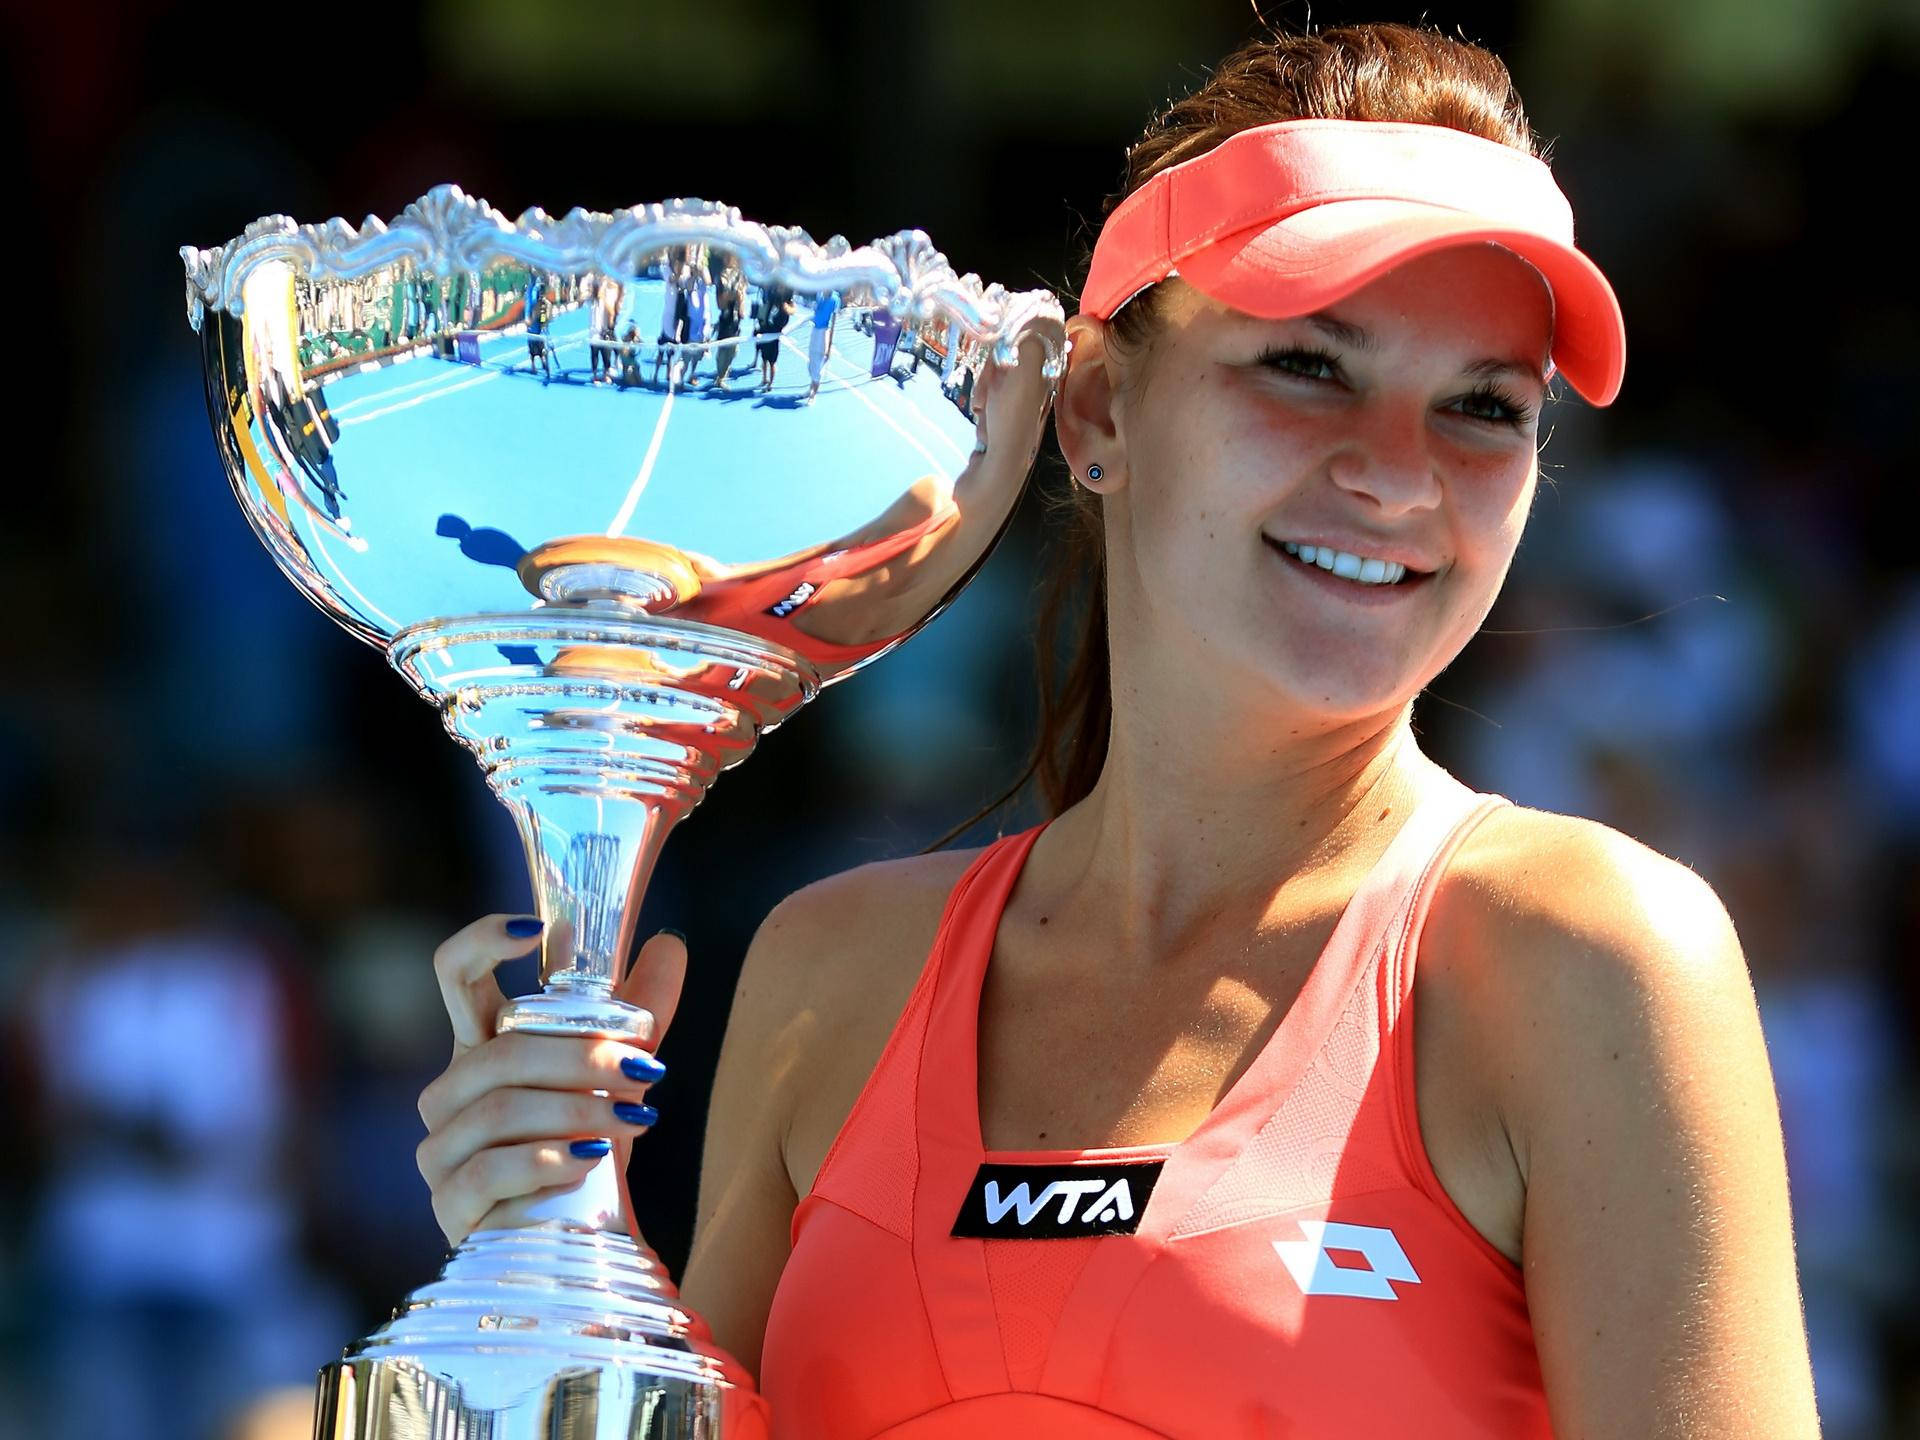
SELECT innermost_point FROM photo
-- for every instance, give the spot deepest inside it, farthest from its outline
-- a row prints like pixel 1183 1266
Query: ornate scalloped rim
pixel 446 230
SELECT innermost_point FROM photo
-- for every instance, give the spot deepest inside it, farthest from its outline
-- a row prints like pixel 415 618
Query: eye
pixel 1301 360
pixel 1489 402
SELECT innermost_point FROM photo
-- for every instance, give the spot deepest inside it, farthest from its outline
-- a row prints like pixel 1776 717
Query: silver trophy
pixel 618 494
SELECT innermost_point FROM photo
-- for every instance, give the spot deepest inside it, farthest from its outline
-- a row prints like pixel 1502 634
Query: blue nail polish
pixel 525 927
pixel 679 935
pixel 592 1149
pixel 643 1068
pixel 636 1114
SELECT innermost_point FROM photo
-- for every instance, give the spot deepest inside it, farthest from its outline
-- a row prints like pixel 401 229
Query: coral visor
pixel 1284 219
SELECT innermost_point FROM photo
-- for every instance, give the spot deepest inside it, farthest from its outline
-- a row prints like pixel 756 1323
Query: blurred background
pixel 230 838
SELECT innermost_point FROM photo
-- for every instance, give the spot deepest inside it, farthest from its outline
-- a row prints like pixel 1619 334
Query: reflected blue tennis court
pixel 518 460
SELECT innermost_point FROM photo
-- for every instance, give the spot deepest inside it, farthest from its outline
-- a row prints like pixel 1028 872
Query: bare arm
pixel 746 1202
pixel 1658 1242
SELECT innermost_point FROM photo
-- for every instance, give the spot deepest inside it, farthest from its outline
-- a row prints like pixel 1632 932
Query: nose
pixel 1386 459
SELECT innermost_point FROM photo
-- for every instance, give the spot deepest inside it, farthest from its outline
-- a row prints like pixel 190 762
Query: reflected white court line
pixel 490 376
pixel 646 466
pixel 860 376
pixel 937 466
pixel 377 396
pixel 317 544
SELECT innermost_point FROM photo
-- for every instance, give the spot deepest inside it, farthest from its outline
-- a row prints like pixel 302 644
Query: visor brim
pixel 1316 256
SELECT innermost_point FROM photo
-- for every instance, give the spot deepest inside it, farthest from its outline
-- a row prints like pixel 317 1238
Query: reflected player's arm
pixel 747 1200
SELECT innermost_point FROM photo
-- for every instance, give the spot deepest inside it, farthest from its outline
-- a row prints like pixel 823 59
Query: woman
pixel 1189 1005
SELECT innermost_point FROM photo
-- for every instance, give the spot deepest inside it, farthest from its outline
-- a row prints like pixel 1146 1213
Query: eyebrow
pixel 1353 336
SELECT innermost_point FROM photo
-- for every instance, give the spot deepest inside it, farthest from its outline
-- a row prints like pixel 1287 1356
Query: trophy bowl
pixel 617 493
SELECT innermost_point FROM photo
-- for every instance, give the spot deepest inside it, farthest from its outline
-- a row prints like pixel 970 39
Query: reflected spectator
pixel 731 300
pixel 630 355
pixel 695 296
pixel 539 319
pixel 950 357
pixel 826 308
pixel 776 308
pixel 606 315
pixel 673 318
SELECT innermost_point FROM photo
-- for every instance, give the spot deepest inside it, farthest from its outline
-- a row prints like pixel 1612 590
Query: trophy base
pixel 547 1333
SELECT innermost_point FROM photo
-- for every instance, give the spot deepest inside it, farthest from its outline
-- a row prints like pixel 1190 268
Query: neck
pixel 1163 852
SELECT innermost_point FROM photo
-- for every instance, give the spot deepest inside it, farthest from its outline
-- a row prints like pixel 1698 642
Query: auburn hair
pixel 1382 72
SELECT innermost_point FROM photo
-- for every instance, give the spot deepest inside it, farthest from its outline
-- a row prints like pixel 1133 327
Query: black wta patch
pixel 1056 1202
pixel 796 597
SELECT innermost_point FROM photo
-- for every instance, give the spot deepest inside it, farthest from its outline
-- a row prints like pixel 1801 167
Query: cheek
pixel 1494 501
pixel 1208 462
pixel 1490 514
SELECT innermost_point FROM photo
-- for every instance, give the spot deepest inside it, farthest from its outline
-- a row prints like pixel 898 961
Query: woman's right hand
pixel 502 1117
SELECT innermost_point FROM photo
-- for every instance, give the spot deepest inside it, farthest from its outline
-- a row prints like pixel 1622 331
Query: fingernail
pixel 679 935
pixel 525 927
pixel 592 1149
pixel 643 1068
pixel 635 1114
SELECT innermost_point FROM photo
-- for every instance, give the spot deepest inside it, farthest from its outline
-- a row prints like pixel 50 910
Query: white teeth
pixel 1350 567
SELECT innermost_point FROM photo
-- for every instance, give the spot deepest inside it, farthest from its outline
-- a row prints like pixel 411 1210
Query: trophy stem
pixel 592 842
pixel 599 728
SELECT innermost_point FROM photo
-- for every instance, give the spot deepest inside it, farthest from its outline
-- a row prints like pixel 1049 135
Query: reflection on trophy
pixel 617 493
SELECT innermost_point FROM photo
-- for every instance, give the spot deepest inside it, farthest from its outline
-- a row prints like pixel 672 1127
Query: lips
pixel 1350 590
pixel 1412 561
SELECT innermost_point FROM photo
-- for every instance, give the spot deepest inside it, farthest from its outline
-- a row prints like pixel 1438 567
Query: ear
pixel 1083 413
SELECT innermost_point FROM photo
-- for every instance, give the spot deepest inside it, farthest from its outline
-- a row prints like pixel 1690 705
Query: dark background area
pixel 229 837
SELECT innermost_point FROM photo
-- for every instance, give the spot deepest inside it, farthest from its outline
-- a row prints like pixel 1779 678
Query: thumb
pixel 654 981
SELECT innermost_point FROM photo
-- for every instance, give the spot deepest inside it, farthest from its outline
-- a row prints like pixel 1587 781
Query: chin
pixel 1336 699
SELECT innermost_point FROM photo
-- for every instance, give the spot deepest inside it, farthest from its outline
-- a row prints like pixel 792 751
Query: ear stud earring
pixel 1094 472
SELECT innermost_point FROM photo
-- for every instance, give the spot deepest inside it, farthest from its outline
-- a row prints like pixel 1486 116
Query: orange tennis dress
pixel 1292 1269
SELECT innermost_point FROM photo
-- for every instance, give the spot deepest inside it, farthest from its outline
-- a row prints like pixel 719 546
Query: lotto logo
pixel 1314 1271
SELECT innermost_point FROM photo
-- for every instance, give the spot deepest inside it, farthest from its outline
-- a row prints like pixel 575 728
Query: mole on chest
pixel 1062 1068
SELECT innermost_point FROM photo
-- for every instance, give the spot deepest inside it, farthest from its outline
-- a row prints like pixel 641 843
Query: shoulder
pixel 1562 875
pixel 823 985
pixel 1576 946
pixel 843 918
pixel 844 950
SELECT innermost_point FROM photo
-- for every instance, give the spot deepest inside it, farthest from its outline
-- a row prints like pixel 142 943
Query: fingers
pixel 654 982
pixel 505 1118
pixel 523 1060
pixel 502 1116
pixel 464 965
pixel 504 1172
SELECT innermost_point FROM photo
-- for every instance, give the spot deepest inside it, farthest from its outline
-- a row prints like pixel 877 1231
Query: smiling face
pixel 1397 425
